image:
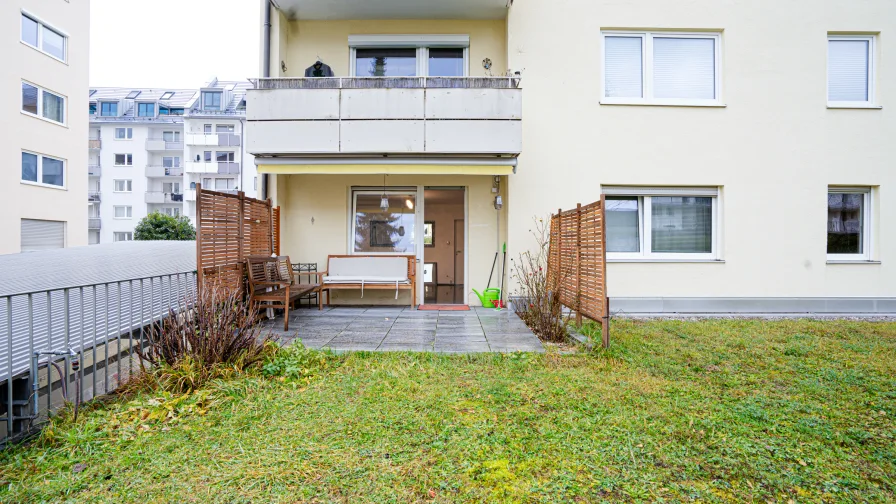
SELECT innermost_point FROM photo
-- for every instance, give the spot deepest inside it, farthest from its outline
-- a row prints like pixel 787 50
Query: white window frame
pixel 40 104
pixel 353 213
pixel 171 211
pixel 420 42
pixel 175 135
pixel 647 69
pixel 872 72
pixel 645 237
pixel 100 108
pixel 128 185
pixel 129 212
pixel 202 102
pixel 41 26
pixel 867 212
pixel 128 134
pixel 40 171
pixel 129 159
pixel 127 235
pixel 155 109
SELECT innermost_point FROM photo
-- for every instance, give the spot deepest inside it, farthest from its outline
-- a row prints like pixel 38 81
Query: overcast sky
pixel 172 43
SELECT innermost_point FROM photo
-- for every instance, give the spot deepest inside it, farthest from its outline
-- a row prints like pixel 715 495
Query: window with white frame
pixel 223 128
pixel 122 212
pixel 206 128
pixel 171 187
pixel 171 136
pixel 171 211
pixel 122 236
pixel 211 100
pixel 224 157
pixel 661 223
pixel 109 109
pixel 171 161
pixel 42 170
pixel 376 230
pixel 124 133
pixel 167 95
pixel 39 102
pixel 409 55
pixel 43 38
pixel 851 69
pixel 661 68
pixel 207 156
pixel 124 160
pixel 123 185
pixel 849 223
pixel 207 183
pixel 146 110
pixel 225 184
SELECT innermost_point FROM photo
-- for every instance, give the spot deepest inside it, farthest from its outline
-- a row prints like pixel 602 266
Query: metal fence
pixel 76 343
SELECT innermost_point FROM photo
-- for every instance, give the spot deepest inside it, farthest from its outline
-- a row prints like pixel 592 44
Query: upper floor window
pixel 124 160
pixel 849 223
pixel 146 109
pixel 223 128
pixel 171 136
pixel 206 128
pixel 123 185
pixel 409 55
pixel 851 69
pixel 109 109
pixel 211 100
pixel 42 37
pixel 92 108
pixel 42 103
pixel 124 133
pixel 223 157
pixel 171 161
pixel 123 212
pixel 44 170
pixel 661 68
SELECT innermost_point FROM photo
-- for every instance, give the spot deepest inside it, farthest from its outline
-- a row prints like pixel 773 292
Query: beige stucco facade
pixel 68 141
pixel 771 146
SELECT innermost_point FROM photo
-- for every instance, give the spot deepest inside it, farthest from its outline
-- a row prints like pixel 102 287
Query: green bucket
pixel 488 296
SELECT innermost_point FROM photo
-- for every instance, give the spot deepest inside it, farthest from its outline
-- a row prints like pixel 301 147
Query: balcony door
pixel 409 56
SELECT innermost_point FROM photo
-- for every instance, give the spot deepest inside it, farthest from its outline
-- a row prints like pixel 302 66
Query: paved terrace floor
pixel 385 329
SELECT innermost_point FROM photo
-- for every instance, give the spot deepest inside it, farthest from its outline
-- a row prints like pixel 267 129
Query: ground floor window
pixel 849 225
pixel 661 224
pixel 384 222
pixel 122 236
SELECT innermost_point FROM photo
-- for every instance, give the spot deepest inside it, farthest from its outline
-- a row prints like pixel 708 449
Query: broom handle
pixel 489 284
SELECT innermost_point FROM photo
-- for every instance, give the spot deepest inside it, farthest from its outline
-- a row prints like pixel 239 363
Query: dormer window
pixel 211 100
pixel 146 110
pixel 132 95
pixel 109 109
pixel 92 108
pixel 167 95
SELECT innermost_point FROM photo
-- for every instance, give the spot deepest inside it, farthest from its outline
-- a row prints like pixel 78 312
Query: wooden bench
pixel 362 272
pixel 272 285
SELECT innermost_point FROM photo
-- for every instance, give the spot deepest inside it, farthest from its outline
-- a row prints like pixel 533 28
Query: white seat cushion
pixel 386 269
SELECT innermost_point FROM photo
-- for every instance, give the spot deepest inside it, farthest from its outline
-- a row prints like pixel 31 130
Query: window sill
pixel 44 119
pixel 859 106
pixel 851 261
pixel 661 104
pixel 704 261
pixel 38 184
pixel 45 53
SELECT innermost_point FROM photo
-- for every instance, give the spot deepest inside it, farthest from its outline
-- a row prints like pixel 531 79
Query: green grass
pixel 675 411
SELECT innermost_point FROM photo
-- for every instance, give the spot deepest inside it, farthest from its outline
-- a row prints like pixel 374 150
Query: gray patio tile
pixel 352 347
pixel 462 347
pixel 405 347
pixel 409 337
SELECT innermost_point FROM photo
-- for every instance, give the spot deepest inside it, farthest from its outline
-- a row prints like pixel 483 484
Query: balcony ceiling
pixel 393 9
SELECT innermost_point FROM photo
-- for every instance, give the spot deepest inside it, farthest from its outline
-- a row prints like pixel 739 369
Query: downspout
pixel 266 72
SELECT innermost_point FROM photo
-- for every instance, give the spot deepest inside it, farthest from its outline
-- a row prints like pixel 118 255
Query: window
pixel 121 185
pixel 124 133
pixel 224 157
pixel 211 100
pixel 122 212
pixel 43 38
pixel 409 55
pixel 171 136
pixel 661 68
pixel 132 95
pixel 167 95
pixel 50 105
pixel 177 111
pixel 109 109
pixel 207 156
pixel 850 71
pixel 92 108
pixel 163 110
pixel 385 232
pixel 171 161
pixel 225 184
pixel 122 236
pixel 171 187
pixel 662 223
pixel 43 170
pixel 849 224
pixel 146 110
pixel 223 128
pixel 206 128
pixel 446 62
pixel 124 160
pixel 172 211
pixel 207 182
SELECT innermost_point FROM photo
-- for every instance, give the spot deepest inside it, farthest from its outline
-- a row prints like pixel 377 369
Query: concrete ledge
pixel 793 306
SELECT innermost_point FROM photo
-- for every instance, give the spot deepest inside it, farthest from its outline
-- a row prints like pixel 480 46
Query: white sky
pixel 172 43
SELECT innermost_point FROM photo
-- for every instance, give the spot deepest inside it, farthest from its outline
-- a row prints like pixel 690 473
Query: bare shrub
pixel 537 301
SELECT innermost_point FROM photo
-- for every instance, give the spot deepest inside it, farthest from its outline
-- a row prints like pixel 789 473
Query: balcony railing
pixel 93 196
pixel 94 223
pixel 94 170
pixel 383 115
pixel 164 171
pixel 94 143
pixel 163 197
pixel 158 144
pixel 219 167
pixel 221 139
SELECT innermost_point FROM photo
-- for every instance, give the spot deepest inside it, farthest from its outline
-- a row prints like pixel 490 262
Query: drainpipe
pixel 266 72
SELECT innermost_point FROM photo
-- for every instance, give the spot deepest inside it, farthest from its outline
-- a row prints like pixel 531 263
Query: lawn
pixel 710 411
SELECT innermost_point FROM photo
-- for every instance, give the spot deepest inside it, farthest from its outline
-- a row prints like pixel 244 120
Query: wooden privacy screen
pixel 230 227
pixel 577 263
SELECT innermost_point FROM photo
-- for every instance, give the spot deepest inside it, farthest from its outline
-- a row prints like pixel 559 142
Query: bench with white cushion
pixel 360 272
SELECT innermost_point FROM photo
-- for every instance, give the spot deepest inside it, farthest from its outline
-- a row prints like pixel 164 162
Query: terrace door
pixel 443 238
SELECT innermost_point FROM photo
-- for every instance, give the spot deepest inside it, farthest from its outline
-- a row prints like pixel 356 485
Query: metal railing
pixel 93 196
pixel 162 144
pixel 386 82
pixel 163 197
pixel 94 223
pixel 164 171
pixel 94 170
pixel 94 143
pixel 75 343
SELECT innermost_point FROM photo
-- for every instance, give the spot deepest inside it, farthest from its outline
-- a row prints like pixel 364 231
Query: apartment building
pixel 45 54
pixel 216 157
pixel 744 149
pixel 149 147
pixel 136 155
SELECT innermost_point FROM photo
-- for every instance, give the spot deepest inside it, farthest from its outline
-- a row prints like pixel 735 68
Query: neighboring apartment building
pixel 44 77
pixel 149 147
pixel 744 149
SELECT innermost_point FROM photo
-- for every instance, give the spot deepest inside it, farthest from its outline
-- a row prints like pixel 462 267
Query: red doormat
pixel 444 307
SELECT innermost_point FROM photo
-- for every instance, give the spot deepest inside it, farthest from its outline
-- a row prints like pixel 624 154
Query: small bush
pixel 296 362
pixel 158 226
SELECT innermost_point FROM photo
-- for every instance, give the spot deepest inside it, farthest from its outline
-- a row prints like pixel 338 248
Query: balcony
pixel 93 196
pixel 213 139
pixel 164 171
pixel 158 144
pixel 94 143
pixel 221 168
pixel 396 9
pixel 385 115
pixel 163 197
pixel 94 170
pixel 190 195
pixel 94 223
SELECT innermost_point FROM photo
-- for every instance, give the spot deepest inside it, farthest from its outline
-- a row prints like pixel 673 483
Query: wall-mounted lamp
pixel 499 202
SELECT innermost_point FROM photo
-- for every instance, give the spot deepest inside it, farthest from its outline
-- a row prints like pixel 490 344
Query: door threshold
pixel 444 307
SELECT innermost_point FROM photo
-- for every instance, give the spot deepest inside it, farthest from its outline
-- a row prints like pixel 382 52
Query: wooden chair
pixel 272 284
